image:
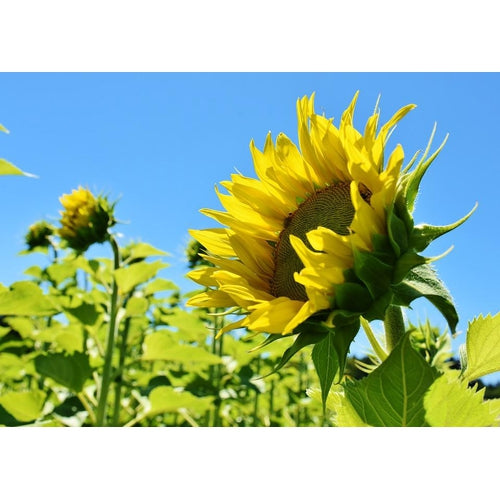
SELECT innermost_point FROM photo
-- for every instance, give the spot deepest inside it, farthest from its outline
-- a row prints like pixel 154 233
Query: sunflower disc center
pixel 331 208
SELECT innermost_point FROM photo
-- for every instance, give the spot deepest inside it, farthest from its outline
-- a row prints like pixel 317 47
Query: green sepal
pixel 406 263
pixel 411 182
pixel 375 274
pixel 398 232
pixel 424 234
pixel 352 297
pixel 423 281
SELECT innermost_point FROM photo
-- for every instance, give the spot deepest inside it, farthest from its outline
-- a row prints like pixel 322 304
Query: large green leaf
pixel 160 345
pixel 129 277
pixel 71 371
pixel 483 346
pixel 449 402
pixel 392 395
pixel 23 406
pixel 25 298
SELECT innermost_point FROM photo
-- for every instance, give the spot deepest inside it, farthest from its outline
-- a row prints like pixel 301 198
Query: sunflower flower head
pixel 325 232
pixel 85 219
pixel 38 235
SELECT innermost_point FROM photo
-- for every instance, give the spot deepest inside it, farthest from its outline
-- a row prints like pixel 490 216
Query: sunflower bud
pixel 38 235
pixel 85 219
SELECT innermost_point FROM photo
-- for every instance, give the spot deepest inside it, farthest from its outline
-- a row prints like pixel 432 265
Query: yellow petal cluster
pixel 79 207
pixel 245 252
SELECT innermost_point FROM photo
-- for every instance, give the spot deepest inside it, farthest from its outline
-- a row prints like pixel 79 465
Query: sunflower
pixel 85 219
pixel 324 229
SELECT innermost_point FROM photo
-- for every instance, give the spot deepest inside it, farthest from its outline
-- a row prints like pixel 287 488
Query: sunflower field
pixel 305 257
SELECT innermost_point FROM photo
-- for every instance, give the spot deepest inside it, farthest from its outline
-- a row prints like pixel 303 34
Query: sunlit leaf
pixel 160 345
pixel 129 277
pixel 483 346
pixel 392 395
pixel 11 366
pixel 25 298
pixel 24 406
pixel 159 285
pixel 449 402
pixel 7 168
pixel 142 250
pixel 60 271
pixel 165 399
pixel 136 306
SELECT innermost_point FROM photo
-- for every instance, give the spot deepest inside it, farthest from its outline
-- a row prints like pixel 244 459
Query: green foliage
pixel 482 347
pixel 451 403
pixel 101 341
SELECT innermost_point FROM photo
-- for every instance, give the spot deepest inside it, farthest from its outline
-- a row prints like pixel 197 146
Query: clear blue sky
pixel 161 141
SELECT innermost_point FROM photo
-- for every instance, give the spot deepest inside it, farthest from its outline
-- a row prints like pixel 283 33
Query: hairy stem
pixel 394 326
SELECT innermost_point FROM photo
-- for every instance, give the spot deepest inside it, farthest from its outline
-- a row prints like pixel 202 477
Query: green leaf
pixel 165 399
pixel 161 346
pixel 159 285
pixel 423 281
pixel 6 168
pixel 35 271
pixel 189 325
pixel 85 313
pixel 61 271
pixel 131 276
pixel 482 346
pixel 23 406
pixel 142 250
pixel 12 367
pixel 71 371
pixel 25 298
pixel 136 306
pixel 326 362
pixel 450 402
pixel 309 333
pixel 393 394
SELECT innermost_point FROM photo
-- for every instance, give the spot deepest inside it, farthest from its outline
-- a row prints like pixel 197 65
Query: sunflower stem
pixel 110 341
pixel 394 326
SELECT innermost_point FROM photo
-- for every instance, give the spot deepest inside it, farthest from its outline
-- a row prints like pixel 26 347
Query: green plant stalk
pixel 110 342
pixel 255 418
pixel 394 326
pixel 121 368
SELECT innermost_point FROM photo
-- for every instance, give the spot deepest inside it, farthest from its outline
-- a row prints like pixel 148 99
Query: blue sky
pixel 161 141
